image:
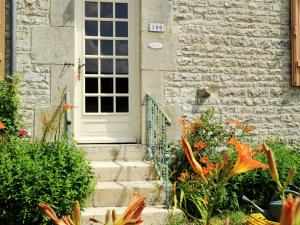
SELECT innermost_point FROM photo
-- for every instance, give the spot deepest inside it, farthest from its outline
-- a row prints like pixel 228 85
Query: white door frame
pixel 82 121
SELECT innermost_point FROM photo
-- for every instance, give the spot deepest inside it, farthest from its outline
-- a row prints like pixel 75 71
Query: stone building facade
pixel 235 51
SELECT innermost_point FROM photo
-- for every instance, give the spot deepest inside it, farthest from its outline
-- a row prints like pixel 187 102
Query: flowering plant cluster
pixel 131 215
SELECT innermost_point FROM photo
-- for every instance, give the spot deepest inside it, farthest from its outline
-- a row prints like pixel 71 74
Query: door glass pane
pixel 91 66
pixel 121 10
pixel 121 47
pixel 121 29
pixel 106 47
pixel 91 28
pixel 106 10
pixel 106 29
pixel 122 66
pixel 107 66
pixel 91 47
pixel 107 104
pixel 122 85
pixel 91 9
pixel 91 104
pixel 107 85
pixel 91 85
pixel 122 104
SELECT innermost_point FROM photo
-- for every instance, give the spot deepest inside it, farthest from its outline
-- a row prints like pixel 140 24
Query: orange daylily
pixel 183 176
pixel 132 215
pixel 47 210
pixel 247 129
pixel 191 158
pixel 244 161
pixel 65 107
pixel 290 214
pixel 200 145
pixel 234 121
pixel 204 159
pixel 2 126
pixel 183 121
pixel 207 170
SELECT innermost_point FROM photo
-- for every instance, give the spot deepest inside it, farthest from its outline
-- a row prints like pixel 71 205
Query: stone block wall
pixel 45 42
pixel 239 52
pixel 7 36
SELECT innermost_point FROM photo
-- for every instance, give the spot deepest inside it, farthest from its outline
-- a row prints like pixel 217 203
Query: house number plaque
pixel 156 27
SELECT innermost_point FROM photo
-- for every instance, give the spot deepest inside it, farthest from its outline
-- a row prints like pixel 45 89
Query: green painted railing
pixel 68 119
pixel 157 123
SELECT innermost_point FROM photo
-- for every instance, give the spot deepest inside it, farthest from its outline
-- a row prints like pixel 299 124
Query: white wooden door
pixel 107 94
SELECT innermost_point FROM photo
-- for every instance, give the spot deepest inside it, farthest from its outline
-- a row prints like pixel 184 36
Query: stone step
pixel 116 194
pixel 114 152
pixel 123 171
pixel 152 215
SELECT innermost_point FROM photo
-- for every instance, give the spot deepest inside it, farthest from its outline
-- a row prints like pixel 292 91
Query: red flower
pixel 22 133
pixel 1 125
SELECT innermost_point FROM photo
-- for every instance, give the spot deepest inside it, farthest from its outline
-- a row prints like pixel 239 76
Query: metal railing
pixel 68 119
pixel 157 123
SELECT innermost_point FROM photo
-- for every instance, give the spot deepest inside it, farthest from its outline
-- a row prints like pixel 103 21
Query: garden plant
pixel 206 189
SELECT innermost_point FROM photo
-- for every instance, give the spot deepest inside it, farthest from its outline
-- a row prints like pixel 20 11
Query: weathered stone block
pixel 164 59
pixel 157 11
pixel 52 45
pixel 152 83
pixel 61 76
pixel 62 13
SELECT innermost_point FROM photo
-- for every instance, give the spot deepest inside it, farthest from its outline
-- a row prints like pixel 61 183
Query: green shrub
pixel 214 136
pixel 258 184
pixel 9 102
pixel 31 172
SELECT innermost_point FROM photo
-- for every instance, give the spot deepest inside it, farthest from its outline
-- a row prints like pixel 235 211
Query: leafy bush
pixel 31 172
pixel 9 102
pixel 209 139
pixel 258 184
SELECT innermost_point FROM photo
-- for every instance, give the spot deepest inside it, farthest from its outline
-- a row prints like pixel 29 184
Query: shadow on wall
pixel 68 15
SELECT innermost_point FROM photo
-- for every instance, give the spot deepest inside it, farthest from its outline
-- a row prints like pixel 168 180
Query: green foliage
pixel 31 172
pixel 9 102
pixel 258 184
pixel 179 220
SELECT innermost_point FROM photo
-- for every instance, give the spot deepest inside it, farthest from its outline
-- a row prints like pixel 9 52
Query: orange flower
pixel 132 214
pixel 290 214
pixel 188 128
pixel 183 176
pixel 1 125
pixel 244 161
pixel 47 210
pixel 66 107
pixel 191 158
pixel 234 122
pixel 207 170
pixel 183 121
pixel 200 145
pixel 199 122
pixel 204 159
pixel 247 129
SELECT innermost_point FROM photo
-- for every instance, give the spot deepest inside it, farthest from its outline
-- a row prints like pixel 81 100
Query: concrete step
pixel 123 171
pixel 152 215
pixel 114 152
pixel 116 194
